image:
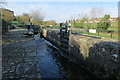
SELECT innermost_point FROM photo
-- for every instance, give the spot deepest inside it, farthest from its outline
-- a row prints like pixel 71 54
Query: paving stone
pixel 12 69
pixel 0 76
pixel 19 58
pixel 29 59
pixel 31 54
pixel 5 70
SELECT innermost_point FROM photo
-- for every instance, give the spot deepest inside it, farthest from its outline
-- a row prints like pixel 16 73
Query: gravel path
pixel 19 56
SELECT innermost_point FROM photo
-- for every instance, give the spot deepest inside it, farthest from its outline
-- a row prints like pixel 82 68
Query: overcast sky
pixel 61 10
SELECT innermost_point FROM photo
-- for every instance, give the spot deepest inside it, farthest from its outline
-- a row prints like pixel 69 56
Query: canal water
pixel 52 64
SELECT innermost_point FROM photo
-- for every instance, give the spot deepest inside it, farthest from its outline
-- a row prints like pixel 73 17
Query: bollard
pixel 111 33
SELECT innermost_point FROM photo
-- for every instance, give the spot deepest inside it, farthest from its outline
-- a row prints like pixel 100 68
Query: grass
pixel 94 25
pixel 113 29
pixel 107 35
pixel 102 34
pixel 53 27
pixel 85 25
pixel 114 23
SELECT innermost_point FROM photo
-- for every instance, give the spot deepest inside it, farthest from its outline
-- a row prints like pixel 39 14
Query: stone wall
pixel 100 56
pixel 52 35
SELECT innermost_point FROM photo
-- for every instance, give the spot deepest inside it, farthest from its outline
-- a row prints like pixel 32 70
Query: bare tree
pixel 79 16
pixel 37 15
pixel 96 12
pixel 82 15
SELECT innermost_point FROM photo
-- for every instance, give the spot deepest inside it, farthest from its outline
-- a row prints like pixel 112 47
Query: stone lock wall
pixel 97 55
pixel 52 35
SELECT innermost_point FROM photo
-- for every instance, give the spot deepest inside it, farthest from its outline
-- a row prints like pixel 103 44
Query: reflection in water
pixel 68 68
pixel 53 65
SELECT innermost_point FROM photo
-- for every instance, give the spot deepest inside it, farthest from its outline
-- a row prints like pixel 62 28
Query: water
pixel 52 64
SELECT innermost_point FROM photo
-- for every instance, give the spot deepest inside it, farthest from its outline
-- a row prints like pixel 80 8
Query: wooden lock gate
pixel 64 38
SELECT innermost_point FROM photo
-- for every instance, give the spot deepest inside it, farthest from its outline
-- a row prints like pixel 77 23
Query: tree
pixel 96 12
pixel 19 19
pixel 37 16
pixel 104 23
pixel 51 22
pixel 82 21
pixel 106 18
pixel 7 15
pixel 24 18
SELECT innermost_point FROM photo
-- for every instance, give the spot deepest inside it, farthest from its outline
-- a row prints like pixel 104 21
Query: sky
pixel 61 10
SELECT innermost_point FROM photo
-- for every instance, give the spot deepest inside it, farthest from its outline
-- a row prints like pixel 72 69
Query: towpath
pixel 19 56
pixel 35 58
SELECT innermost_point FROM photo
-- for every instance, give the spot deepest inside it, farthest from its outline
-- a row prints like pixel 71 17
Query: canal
pixel 52 63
